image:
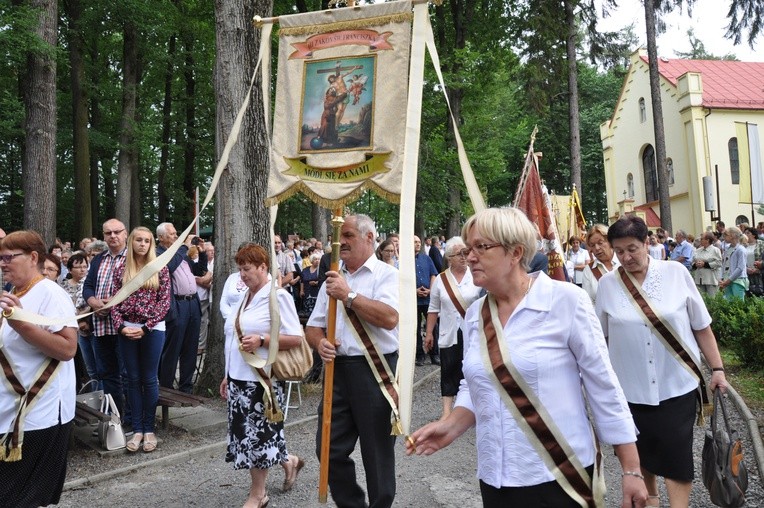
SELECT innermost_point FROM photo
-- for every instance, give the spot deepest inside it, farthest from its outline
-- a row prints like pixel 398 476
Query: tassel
pixel 14 455
pixel 397 429
pixel 273 416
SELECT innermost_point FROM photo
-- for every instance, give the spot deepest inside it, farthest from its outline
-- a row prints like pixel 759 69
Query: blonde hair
pixel 507 226
pixel 131 264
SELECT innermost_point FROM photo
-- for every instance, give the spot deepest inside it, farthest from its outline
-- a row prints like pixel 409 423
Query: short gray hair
pixel 507 226
pixel 162 228
pixel 97 245
pixel 454 245
pixel 365 224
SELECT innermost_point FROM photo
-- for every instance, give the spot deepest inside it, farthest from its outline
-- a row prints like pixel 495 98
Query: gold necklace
pixel 530 283
pixel 21 292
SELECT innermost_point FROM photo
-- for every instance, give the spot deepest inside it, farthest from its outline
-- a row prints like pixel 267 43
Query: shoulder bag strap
pixel 665 333
pixel 529 413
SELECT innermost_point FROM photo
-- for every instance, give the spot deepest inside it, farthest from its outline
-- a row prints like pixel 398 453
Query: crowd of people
pixel 521 356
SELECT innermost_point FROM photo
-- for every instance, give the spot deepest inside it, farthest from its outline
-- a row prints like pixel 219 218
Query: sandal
pixel 150 443
pixel 135 443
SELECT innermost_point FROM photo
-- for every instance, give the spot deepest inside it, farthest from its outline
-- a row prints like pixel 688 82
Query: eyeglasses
pixel 389 251
pixel 7 258
pixel 113 233
pixel 479 249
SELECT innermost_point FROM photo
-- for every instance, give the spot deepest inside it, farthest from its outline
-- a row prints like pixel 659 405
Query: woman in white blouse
pixel 443 310
pixel 662 393
pixel 35 428
pixel 548 335
pixel 255 443
pixel 604 259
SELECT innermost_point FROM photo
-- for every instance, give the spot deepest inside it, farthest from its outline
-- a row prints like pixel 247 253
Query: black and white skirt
pixel 253 441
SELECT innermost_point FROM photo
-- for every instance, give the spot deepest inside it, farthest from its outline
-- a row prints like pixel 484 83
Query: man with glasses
pixel 97 291
pixel 184 318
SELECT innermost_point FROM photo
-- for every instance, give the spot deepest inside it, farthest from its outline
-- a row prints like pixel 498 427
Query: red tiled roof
pixel 726 84
pixel 652 219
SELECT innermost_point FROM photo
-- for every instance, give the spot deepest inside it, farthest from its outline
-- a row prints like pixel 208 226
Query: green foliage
pixel 739 326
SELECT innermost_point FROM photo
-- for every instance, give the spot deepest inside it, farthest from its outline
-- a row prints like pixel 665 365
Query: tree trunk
pixel 166 123
pixel 39 159
pixel 660 138
pixel 573 110
pixel 320 219
pixel 127 124
pixel 239 211
pixel 189 152
pixel 82 201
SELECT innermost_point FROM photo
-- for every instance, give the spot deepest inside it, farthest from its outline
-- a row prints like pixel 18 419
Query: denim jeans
pixel 109 368
pixel 87 349
pixel 142 364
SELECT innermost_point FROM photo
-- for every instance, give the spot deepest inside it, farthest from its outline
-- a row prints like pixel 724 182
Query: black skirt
pixel 665 436
pixel 38 478
pixel 451 367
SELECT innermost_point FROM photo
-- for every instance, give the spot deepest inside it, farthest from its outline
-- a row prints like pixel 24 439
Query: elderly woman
pixel 51 267
pixel 532 340
pixel 753 250
pixel 577 260
pixel 310 284
pixel 139 319
pixel 604 259
pixel 634 304
pixel 705 263
pixel 451 295
pixel 255 443
pixel 35 429
pixel 734 273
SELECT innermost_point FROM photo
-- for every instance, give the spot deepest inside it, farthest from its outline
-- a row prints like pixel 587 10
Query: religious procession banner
pixel 341 103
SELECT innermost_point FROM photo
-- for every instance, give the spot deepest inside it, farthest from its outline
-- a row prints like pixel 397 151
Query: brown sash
pixel 271 406
pixel 452 294
pixel 380 368
pixel 669 340
pixel 597 272
pixel 11 443
pixel 541 429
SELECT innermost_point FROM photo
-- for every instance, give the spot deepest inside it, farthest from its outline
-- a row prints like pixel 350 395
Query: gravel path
pixel 189 470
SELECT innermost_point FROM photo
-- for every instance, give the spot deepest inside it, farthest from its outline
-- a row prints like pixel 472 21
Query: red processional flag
pixel 533 198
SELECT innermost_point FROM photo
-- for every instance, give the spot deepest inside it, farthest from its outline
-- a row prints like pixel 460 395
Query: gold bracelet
pixel 7 313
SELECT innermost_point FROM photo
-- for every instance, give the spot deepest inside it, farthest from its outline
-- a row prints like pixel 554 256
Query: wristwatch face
pixel 351 297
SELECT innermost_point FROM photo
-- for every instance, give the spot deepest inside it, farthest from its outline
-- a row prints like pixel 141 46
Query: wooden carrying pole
pixel 331 332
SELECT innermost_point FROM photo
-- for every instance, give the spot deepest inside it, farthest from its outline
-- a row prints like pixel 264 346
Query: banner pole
pixel 331 331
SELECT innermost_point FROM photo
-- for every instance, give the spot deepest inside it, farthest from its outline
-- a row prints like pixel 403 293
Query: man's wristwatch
pixel 349 300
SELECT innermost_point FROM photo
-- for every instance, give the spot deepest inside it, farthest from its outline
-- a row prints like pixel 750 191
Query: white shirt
pixel 231 295
pixel 256 318
pixel 375 280
pixel 556 344
pixel 48 299
pixel 577 258
pixel 441 304
pixel 589 282
pixel 657 251
pixel 647 371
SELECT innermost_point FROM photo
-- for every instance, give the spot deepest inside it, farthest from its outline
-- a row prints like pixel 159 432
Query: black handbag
pixel 723 468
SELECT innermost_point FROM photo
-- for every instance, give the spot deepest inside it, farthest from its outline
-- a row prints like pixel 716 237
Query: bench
pixel 86 415
pixel 173 398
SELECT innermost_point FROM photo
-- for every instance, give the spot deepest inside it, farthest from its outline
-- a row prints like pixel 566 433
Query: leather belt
pixel 185 297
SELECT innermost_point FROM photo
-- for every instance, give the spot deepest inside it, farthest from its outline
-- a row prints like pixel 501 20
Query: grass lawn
pixel 749 383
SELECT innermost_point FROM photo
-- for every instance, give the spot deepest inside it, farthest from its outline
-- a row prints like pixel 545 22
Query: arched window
pixel 630 184
pixel 740 219
pixel 734 160
pixel 642 110
pixel 670 169
pixel 651 174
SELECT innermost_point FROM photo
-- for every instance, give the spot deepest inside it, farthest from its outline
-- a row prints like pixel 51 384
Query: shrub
pixel 739 326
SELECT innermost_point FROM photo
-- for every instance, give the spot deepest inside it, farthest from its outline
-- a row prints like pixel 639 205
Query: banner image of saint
pixel 337 105
pixel 341 104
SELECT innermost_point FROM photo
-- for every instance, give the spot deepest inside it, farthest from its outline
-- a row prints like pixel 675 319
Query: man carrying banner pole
pixel 363 358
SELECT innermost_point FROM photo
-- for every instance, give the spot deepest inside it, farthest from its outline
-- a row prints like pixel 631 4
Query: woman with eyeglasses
pixel 37 396
pixel 51 267
pixel 604 259
pixel 139 319
pixel 386 252
pixel 452 293
pixel 530 346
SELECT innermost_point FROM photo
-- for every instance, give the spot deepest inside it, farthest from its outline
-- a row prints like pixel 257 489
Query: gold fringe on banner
pixel 347 25
pixel 333 203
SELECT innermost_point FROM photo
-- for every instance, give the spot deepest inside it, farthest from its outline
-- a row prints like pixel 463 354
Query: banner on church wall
pixel 341 99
